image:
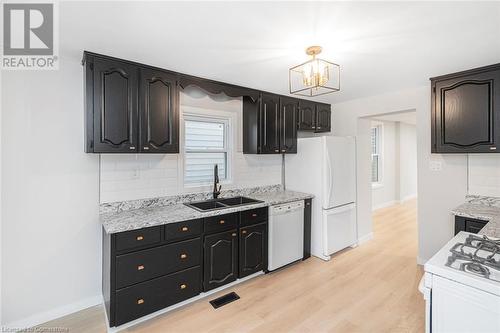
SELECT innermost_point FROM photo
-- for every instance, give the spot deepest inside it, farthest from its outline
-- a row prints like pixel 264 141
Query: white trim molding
pixel 365 238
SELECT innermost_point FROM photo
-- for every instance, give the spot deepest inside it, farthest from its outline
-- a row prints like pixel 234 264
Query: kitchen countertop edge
pixel 155 216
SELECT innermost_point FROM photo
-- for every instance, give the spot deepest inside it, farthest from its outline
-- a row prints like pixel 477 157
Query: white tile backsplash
pixel 484 174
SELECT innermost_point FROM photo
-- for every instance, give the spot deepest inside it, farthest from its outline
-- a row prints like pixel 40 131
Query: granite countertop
pixel 482 208
pixel 132 219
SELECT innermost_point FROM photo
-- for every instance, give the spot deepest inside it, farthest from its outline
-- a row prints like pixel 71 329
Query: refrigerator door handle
pixel 328 196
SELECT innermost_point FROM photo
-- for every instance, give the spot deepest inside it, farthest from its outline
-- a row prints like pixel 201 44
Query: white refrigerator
pixel 326 167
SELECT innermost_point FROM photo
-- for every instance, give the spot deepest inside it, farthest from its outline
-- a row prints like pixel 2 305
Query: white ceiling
pixel 404 117
pixel 381 46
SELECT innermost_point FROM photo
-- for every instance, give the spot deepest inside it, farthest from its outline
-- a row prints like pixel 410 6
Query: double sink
pixel 222 203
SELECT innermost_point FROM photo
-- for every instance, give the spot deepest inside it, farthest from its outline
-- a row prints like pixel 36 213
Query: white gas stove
pixel 461 286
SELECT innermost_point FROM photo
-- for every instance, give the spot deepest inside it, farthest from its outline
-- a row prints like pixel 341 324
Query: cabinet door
pixel 323 118
pixel 159 112
pixel 466 113
pixel 253 249
pixel 115 106
pixel 307 116
pixel 269 124
pixel 289 109
pixel 221 259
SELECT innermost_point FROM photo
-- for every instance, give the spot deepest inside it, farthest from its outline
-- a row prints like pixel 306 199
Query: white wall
pixel 129 177
pixel 438 191
pixel 399 164
pixel 51 236
pixel 384 194
pixel 407 161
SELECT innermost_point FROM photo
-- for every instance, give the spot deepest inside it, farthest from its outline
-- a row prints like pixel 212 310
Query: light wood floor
pixel 371 288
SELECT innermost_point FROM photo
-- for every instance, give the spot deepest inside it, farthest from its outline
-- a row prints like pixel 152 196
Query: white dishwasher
pixel 286 234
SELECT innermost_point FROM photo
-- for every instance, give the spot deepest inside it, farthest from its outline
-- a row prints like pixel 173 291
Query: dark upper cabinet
pixel 220 259
pixel 111 102
pixel 129 108
pixel 288 115
pixel 253 249
pixel 466 111
pixel 307 116
pixel 323 118
pixel 158 112
pixel 315 117
pixel 270 124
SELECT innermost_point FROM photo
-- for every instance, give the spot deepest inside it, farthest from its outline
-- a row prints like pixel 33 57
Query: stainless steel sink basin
pixel 222 203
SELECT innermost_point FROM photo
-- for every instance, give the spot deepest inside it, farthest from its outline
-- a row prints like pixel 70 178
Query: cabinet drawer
pixel 148 264
pixel 254 216
pixel 138 238
pixel 147 297
pixel 183 230
pixel 221 222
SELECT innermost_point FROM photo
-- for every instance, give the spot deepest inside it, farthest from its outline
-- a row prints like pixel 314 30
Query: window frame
pixel 380 153
pixel 204 115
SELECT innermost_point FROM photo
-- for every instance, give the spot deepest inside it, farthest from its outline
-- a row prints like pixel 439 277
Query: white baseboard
pixel 385 204
pixel 408 197
pixel 365 238
pixel 59 312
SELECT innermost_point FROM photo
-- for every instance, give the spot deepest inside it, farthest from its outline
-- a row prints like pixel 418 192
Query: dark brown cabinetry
pixel 466 111
pixel 307 228
pixel 221 259
pixel 111 93
pixel 270 125
pixel 129 108
pixel 148 269
pixel 468 224
pixel 253 249
pixel 315 117
pixel 158 112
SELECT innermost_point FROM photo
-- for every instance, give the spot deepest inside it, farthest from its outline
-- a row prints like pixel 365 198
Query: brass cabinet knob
pixel 243 232
pixel 254 215
pixel 139 238
pixel 493 148
pixel 146 148
pixel 184 256
pixel 283 151
pixel 140 267
pixel 140 301
pixel 183 286
pixel 222 221
pixel 184 229
pixel 276 150
pixel 233 234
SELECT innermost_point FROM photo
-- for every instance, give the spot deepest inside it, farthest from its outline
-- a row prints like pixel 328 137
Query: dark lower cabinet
pixel 253 249
pixel 466 111
pixel 307 228
pixel 468 224
pixel 149 269
pixel 220 259
pixel 144 298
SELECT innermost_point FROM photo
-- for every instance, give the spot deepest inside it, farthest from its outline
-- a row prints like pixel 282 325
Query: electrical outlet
pixel 435 165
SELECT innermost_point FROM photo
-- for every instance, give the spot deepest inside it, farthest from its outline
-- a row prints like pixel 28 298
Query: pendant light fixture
pixel 314 77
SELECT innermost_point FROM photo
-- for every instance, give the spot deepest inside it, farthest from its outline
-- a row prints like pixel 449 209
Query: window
pixel 206 144
pixel 376 155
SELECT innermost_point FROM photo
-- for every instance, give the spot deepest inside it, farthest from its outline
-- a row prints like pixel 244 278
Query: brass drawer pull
pixel 222 222
pixel 184 229
pixel 140 301
pixel 254 215
pixel 140 267
pixel 139 238
pixel 233 234
pixel 243 232
pixel 184 256
pixel 183 286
